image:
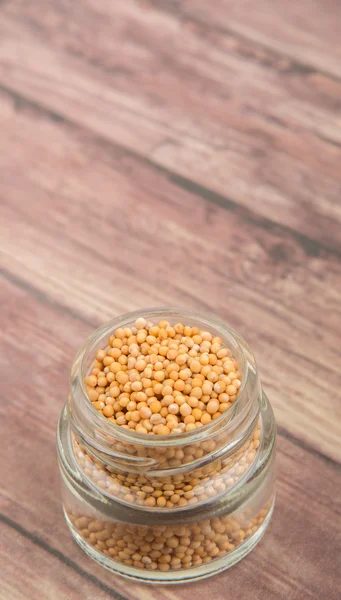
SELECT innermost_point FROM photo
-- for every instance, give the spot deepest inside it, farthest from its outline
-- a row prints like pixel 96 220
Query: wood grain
pixel 35 568
pixel 163 152
pixel 303 32
pixel 258 133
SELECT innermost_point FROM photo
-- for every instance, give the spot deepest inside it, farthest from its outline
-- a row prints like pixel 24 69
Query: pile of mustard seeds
pixel 162 379
pixel 165 548
pixel 176 491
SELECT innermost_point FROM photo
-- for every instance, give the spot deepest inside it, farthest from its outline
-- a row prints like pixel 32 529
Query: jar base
pixel 175 576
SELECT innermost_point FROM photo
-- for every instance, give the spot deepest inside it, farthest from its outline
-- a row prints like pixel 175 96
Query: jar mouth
pixel 231 339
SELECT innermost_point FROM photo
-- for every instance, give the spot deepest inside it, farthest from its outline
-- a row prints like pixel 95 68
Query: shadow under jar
pixel 220 476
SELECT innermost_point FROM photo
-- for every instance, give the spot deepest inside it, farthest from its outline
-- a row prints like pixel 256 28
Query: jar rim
pixel 230 338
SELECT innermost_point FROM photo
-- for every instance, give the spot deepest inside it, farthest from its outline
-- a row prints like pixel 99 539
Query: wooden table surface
pixel 177 152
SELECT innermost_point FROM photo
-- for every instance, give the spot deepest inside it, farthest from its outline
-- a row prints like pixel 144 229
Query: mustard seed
pixel 91 380
pixel 212 406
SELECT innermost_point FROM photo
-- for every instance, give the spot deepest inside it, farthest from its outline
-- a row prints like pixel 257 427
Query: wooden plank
pixel 305 31
pixel 104 233
pixel 267 139
pixel 306 491
pixel 29 571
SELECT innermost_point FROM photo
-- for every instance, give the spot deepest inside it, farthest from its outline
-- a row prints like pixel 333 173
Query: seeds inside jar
pixel 160 547
pixel 163 379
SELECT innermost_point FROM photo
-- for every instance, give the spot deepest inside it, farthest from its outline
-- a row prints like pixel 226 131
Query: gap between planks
pixel 260 48
pixel 37 541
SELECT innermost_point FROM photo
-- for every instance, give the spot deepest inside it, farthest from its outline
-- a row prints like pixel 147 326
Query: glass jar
pixel 219 479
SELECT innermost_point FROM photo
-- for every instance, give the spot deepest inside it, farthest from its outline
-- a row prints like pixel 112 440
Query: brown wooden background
pixel 177 152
